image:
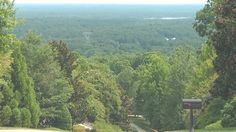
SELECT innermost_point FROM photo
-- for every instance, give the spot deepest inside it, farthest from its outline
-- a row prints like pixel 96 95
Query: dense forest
pixel 98 70
pixel 112 29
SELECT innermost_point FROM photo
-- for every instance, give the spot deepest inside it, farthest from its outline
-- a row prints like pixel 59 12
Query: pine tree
pixel 24 88
pixel 8 102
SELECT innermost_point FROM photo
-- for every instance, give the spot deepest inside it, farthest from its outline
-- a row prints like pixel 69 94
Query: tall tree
pixel 7 39
pixel 217 21
pixel 152 92
pixel 52 88
pixel 65 57
pixel 24 89
pixel 8 22
pixel 182 61
pixel 18 104
pixel 203 73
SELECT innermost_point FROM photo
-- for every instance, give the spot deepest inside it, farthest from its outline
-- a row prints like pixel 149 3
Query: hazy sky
pixel 115 1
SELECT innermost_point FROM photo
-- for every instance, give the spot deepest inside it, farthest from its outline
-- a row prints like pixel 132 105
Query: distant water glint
pixel 167 18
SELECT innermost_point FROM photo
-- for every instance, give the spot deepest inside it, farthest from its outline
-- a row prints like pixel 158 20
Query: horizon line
pixel 109 3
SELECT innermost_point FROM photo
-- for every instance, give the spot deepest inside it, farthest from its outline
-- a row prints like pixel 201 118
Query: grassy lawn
pixel 56 129
pixel 142 123
pixel 209 130
pixel 20 128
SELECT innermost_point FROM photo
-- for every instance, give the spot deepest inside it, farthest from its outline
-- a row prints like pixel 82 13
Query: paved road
pixel 137 127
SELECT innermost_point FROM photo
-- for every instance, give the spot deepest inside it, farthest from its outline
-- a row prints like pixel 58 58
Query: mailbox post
pixel 192 104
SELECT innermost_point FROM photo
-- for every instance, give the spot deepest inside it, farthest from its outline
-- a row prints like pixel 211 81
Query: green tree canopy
pixel 217 22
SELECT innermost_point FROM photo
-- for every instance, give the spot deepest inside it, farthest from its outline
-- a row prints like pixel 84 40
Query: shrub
pixel 229 114
pixel 16 118
pixel 63 120
pixel 25 117
pixel 212 113
pixel 216 125
pixel 36 114
pixel 6 115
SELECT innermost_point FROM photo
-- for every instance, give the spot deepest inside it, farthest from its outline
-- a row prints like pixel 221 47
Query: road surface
pixel 137 127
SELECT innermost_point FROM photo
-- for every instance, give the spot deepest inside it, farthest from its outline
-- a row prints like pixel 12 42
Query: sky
pixel 110 1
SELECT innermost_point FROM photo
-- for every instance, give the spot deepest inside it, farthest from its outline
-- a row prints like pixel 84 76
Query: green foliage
pixel 203 73
pixel 229 115
pixel 65 57
pixel 16 118
pixel 5 62
pixel 99 75
pixel 152 89
pixel 101 126
pixel 23 83
pixel 7 42
pixel 216 125
pixel 49 85
pixel 7 95
pixel 111 29
pixel 7 23
pixel 182 62
pixel 211 113
pixel 79 101
pixel 106 86
pixel 25 117
pixel 164 82
pixel 6 91
pixel 217 22
pixel 125 78
pixel 97 94
pixel 126 81
pixel 52 87
pixel 6 114
pixel 63 119
pixel 96 109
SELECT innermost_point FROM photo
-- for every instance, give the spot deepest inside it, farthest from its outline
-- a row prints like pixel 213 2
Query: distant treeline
pixel 112 29
pixel 114 66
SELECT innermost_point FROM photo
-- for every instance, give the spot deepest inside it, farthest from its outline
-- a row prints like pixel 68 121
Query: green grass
pixel 209 130
pixel 103 126
pixel 9 128
pixel 56 129
pixel 51 128
pixel 142 123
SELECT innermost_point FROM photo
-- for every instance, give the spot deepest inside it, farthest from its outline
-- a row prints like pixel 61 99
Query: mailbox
pixel 192 103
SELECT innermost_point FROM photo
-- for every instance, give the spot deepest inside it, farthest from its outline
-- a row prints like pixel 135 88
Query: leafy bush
pixel 212 113
pixel 229 114
pixel 64 120
pixel 25 117
pixel 6 115
pixel 16 119
pixel 216 125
